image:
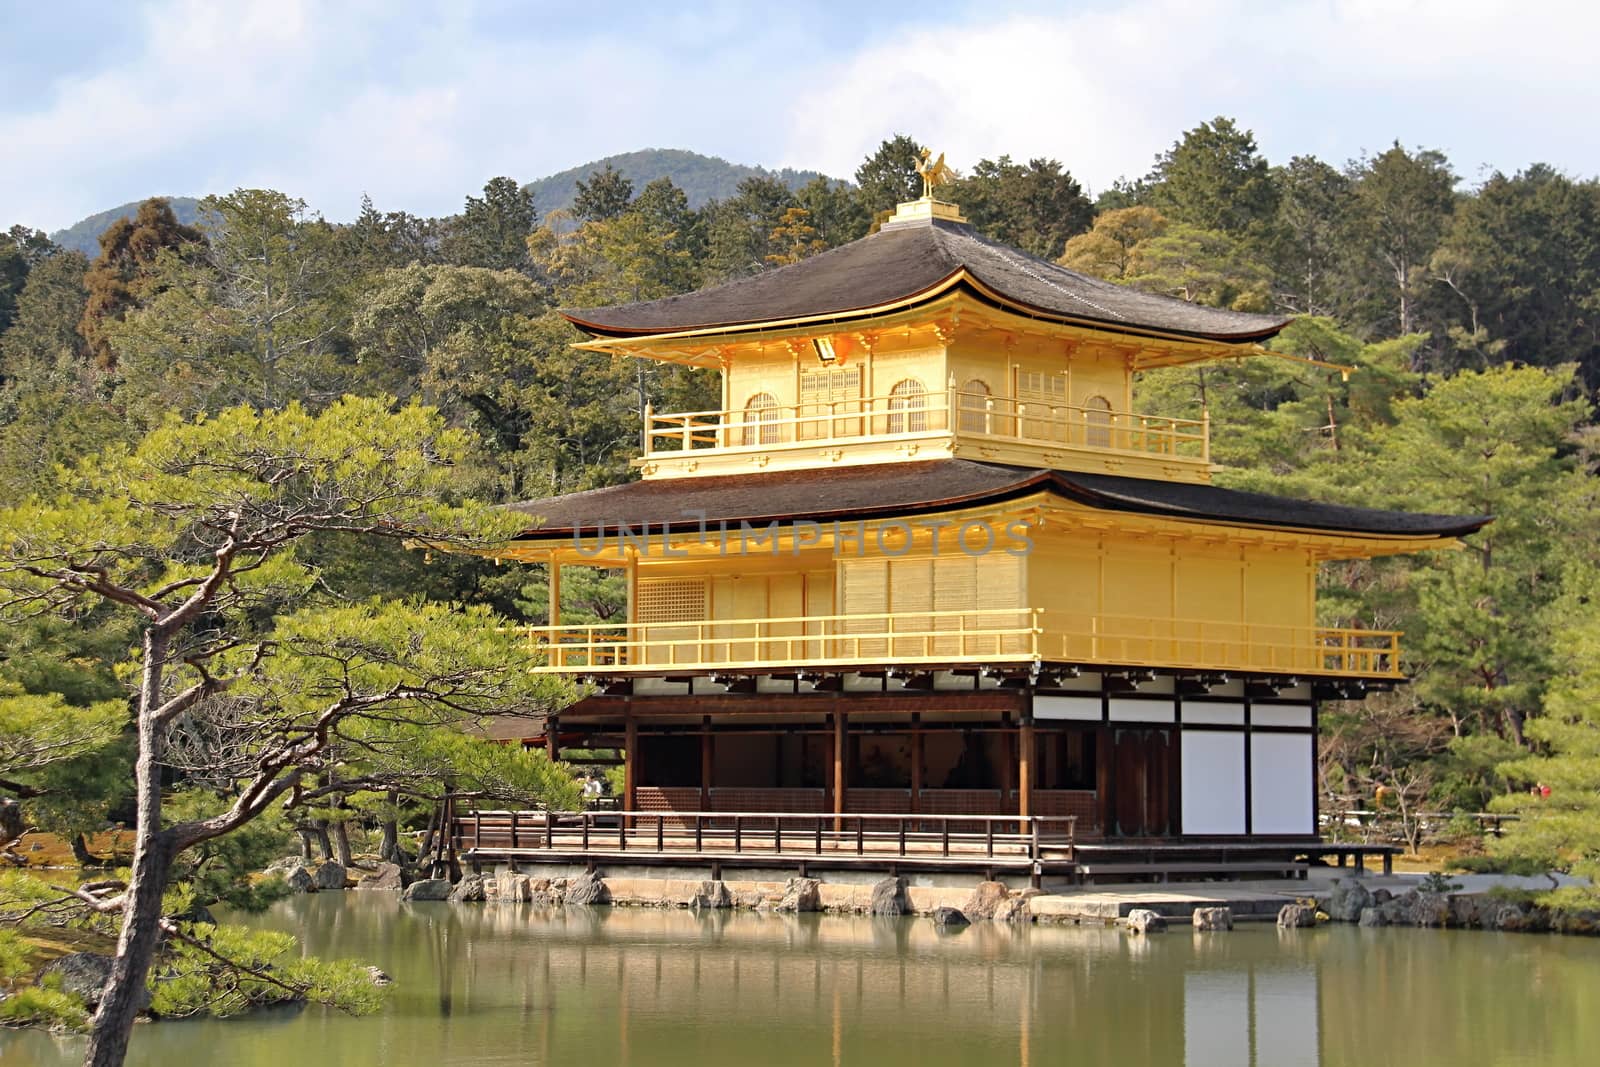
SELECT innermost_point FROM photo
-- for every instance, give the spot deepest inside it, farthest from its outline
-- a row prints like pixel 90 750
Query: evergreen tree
pixel 492 231
pixel 889 176
pixel 131 270
pixel 604 196
pixel 21 249
pixel 1402 208
pixel 1214 178
pixel 1035 207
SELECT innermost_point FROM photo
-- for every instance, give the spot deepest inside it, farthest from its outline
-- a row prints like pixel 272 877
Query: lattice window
pixel 907 407
pixel 1043 398
pixel 671 600
pixel 829 391
pixel 974 405
pixel 1097 422
pixel 760 417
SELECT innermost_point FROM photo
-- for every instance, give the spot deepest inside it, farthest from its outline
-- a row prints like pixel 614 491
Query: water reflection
pixel 507 984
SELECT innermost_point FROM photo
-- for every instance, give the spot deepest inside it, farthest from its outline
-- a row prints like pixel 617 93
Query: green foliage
pixel 52 1008
pixel 1562 830
pixel 889 175
pixel 492 230
pixel 1035 206
pixel 37 730
pixel 604 196
pixel 221 870
pixel 1213 178
pixel 258 968
pixel 15 956
pixel 247 316
pixel 1438 882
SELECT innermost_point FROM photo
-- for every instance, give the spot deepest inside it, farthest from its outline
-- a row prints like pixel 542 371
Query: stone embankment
pixel 951 907
pixel 1352 902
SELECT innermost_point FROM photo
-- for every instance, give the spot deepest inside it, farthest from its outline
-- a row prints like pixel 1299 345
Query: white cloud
pixel 1105 90
pixel 420 104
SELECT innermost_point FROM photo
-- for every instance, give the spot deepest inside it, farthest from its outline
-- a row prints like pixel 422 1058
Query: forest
pixel 1468 308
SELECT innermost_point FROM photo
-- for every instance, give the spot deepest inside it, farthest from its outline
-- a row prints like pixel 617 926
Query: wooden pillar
pixel 707 758
pixel 1008 756
pixel 552 738
pixel 630 765
pixel 841 750
pixel 1025 753
pixel 916 761
pixel 553 580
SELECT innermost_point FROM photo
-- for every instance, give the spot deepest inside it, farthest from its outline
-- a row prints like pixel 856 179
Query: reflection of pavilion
pixel 926 560
pixel 1266 1016
pixel 857 991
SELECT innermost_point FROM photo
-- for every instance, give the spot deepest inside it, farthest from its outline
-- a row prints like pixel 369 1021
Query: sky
pixel 418 104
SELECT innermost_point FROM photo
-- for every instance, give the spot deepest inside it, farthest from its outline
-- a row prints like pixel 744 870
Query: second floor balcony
pixel 981 637
pixel 910 422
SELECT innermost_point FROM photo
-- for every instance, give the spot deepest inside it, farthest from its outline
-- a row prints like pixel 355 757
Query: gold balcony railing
pixel 966 414
pixel 1076 426
pixel 1025 635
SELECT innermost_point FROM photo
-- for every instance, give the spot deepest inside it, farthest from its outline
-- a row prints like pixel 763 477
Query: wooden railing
pixel 784 425
pixel 1024 635
pixel 901 637
pixel 1073 426
pixel 999 838
pixel 1136 640
pixel 890 416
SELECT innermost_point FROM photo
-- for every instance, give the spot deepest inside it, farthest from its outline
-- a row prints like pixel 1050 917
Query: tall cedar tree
pixel 125 273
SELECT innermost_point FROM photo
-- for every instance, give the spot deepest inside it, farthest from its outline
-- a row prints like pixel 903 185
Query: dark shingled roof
pixel 906 259
pixel 887 489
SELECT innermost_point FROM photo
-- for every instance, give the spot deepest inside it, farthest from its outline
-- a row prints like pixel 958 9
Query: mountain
pixel 702 178
pixel 84 235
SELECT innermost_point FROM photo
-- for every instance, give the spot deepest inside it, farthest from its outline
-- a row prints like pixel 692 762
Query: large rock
pixel 1013 909
pixel 1469 910
pixel 1212 919
pixel 84 974
pixel 1430 909
pixel 427 889
pixel 705 896
pixel 1294 916
pixel 1517 918
pixel 887 898
pixel 330 876
pixel 949 917
pixel 299 880
pixel 1145 921
pixel 468 891
pixel 1371 917
pixel 984 900
pixel 1396 911
pixel 587 888
pixel 1580 923
pixel 385 877
pixel 1348 899
pixel 801 894
pixel 510 888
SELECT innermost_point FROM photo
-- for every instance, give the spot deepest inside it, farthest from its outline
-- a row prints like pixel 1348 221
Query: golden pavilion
pixel 926 573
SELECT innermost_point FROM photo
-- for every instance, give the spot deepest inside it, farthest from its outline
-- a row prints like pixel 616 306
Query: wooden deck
pixel 1034 846
pixel 993 845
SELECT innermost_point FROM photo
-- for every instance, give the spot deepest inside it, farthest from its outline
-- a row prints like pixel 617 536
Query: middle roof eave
pixel 894 489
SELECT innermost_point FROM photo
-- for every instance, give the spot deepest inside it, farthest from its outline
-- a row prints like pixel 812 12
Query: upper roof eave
pixel 958 280
pixel 904 264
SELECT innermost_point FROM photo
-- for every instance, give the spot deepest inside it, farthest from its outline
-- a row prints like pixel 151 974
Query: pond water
pixel 502 984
